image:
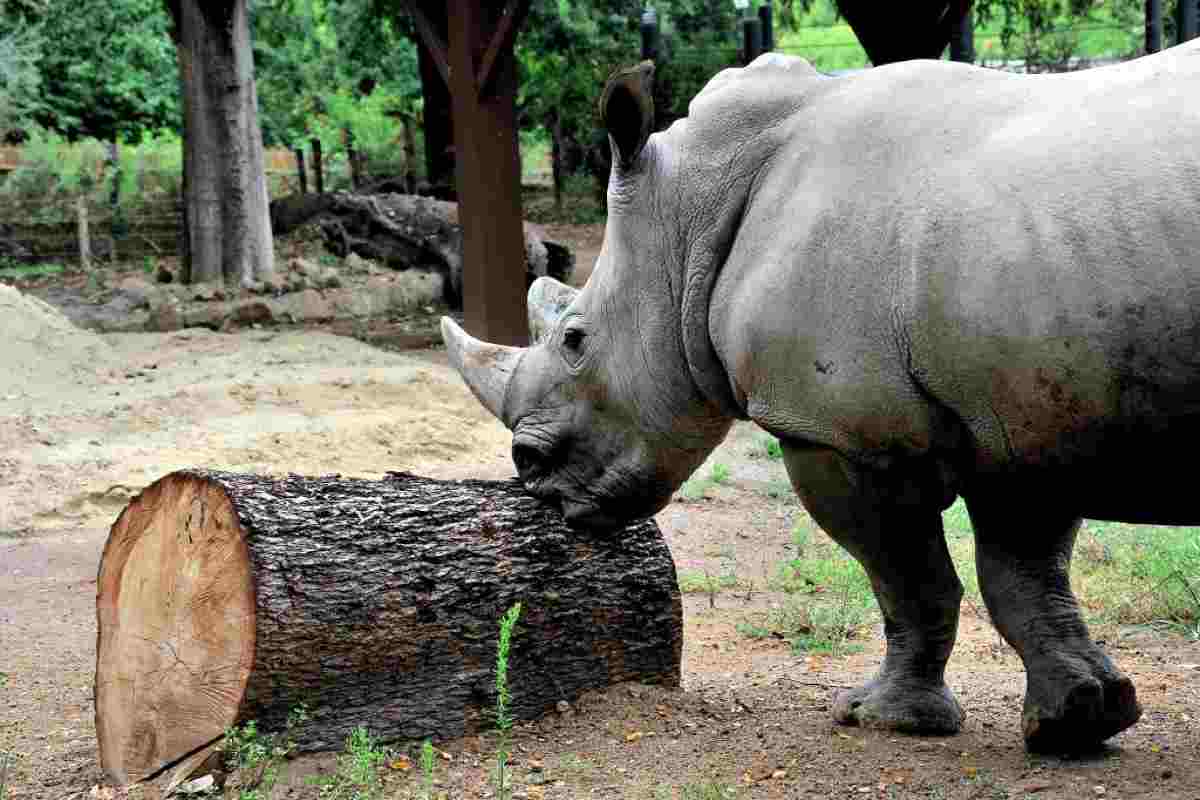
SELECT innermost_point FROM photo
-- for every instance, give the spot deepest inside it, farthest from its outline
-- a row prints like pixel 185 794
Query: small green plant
pixel 5 759
pixel 697 488
pixel 708 790
pixel 504 720
pixel 254 758
pixel 766 446
pixel 357 774
pixel 427 768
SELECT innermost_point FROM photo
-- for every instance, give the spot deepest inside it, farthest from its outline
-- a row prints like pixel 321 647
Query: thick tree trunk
pixel 229 229
pixel 223 598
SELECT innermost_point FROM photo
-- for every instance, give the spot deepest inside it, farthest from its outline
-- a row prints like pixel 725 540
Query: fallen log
pixel 405 231
pixel 223 598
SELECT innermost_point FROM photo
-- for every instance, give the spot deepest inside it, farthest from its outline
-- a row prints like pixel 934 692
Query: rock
pixel 204 292
pixel 209 315
pixel 414 289
pixel 251 312
pixel 562 706
pixel 129 322
pixel 306 306
pixel 137 290
pixel 165 317
pixel 198 786
pixel 356 263
pixel 302 266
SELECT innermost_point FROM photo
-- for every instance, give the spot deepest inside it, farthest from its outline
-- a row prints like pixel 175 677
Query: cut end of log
pixel 175 613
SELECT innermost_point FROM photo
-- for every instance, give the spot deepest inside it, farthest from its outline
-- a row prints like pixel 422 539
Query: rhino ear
pixel 627 108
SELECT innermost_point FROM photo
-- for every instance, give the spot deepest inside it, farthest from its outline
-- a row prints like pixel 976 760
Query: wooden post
pixel 351 158
pixel 766 16
pixel 1154 26
pixel 85 241
pixel 301 172
pixel 649 35
pixel 483 88
pixel 751 39
pixel 962 39
pixel 1187 15
pixel 318 166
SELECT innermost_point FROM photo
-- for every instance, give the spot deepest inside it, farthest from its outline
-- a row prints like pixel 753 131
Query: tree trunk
pixel 223 598
pixel 892 32
pixel 229 229
pixel 410 154
pixel 439 130
pixel 352 159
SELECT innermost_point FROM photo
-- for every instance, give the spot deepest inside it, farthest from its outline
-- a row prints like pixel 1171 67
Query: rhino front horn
pixel 487 368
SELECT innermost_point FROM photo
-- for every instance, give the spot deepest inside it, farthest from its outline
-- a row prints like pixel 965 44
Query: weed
pixel 697 488
pixel 709 790
pixel 5 759
pixel 254 758
pixel 357 775
pixel 14 269
pixel 766 446
pixel 753 631
pixel 427 768
pixel 3 679
pixel 780 490
pixel 504 720
pixel 694 581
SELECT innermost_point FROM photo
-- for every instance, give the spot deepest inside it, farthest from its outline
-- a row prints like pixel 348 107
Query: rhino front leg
pixel 1075 697
pixel 891 523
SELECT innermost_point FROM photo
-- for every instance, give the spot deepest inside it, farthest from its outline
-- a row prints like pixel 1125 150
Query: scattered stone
pixel 251 312
pixel 274 285
pixel 562 706
pixel 197 786
pixel 165 317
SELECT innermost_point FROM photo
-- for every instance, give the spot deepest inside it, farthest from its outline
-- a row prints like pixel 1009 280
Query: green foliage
pixel 831 597
pixel 110 72
pixel 427 768
pixel 254 758
pixel 695 488
pixel 504 720
pixel 55 172
pixel 1046 34
pixel 694 581
pixel 707 790
pixel 20 52
pixel 766 446
pixel 12 269
pixel 5 762
pixel 357 775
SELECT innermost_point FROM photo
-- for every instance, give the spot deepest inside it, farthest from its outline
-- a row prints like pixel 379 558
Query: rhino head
pixel 620 397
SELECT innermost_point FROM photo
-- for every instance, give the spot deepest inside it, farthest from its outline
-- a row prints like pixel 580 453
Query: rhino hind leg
pixel 891 523
pixel 1075 696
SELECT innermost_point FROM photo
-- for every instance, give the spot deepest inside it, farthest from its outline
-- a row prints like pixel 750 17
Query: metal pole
pixel 766 16
pixel 962 39
pixel 649 34
pixel 751 38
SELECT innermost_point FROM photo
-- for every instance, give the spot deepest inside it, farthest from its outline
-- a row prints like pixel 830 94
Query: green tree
pixel 110 72
pixel 20 51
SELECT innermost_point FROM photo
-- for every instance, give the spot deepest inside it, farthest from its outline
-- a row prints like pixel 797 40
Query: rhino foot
pixel 1081 717
pixel 900 706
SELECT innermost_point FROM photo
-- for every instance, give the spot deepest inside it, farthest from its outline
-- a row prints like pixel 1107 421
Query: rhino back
pixel 1014 254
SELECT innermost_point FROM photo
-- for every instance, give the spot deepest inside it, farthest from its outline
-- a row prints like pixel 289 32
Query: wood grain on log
pixel 224 597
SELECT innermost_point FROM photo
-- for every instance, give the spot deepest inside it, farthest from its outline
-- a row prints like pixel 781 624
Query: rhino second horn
pixel 546 301
pixel 486 368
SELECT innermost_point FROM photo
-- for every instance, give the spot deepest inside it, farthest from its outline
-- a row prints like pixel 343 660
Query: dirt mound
pixel 41 349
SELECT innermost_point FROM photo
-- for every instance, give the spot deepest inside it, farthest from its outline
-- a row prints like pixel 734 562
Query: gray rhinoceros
pixel 928 280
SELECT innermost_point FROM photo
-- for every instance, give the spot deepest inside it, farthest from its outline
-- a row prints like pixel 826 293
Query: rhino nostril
pixel 526 458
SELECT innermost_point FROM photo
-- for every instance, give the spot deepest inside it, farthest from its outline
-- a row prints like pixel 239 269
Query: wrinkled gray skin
pixel 929 281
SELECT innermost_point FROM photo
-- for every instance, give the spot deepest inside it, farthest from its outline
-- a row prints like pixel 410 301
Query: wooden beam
pixel 488 168
pixel 501 43
pixel 437 48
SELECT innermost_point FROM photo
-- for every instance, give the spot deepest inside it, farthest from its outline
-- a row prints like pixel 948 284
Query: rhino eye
pixel 573 343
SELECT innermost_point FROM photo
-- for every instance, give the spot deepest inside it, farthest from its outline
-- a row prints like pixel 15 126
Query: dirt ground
pixel 750 715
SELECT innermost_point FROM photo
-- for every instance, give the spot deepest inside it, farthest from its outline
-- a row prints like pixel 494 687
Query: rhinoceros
pixel 929 281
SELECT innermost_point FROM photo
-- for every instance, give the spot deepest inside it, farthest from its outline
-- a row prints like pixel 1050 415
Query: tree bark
pixel 892 32
pixel 229 230
pixel 223 598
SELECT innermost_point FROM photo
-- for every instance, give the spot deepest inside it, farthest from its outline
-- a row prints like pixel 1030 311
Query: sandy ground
pixel 750 715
